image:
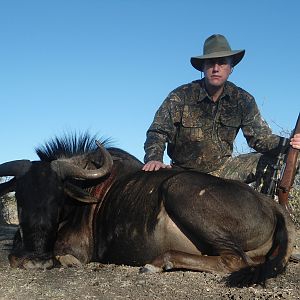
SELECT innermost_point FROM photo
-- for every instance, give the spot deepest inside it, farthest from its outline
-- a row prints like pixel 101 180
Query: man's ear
pixel 231 70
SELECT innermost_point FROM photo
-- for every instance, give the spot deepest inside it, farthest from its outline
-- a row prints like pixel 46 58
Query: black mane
pixel 69 145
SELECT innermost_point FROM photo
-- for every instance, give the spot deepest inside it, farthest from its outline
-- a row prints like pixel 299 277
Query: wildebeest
pixel 83 203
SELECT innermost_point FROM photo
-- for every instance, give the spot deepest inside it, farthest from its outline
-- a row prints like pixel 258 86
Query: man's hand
pixel 295 141
pixel 154 165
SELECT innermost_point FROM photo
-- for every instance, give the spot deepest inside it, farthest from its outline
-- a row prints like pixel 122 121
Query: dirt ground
pixel 96 281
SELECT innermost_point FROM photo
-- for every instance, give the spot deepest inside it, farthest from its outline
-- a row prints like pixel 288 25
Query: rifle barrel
pixel 289 172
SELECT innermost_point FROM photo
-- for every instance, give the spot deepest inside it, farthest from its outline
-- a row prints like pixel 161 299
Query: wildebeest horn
pixel 68 168
pixel 15 168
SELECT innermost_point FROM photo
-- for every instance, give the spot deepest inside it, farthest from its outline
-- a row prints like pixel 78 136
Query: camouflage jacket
pixel 200 133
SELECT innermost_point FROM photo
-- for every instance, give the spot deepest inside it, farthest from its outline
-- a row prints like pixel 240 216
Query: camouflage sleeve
pixel 257 132
pixel 162 129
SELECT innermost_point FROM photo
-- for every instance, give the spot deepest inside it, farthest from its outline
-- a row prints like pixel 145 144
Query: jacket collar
pixel 203 93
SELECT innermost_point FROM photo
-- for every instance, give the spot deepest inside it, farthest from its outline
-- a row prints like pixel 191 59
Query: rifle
pixel 289 171
pixel 271 189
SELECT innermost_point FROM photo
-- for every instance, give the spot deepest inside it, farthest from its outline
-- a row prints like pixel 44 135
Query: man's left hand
pixel 295 141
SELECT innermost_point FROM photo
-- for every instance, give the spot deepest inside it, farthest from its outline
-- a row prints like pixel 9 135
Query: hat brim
pixel 198 61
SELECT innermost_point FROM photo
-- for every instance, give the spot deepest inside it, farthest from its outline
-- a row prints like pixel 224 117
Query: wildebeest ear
pixel 79 194
pixel 7 187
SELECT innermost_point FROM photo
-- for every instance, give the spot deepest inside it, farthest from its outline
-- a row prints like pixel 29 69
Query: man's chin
pixel 216 83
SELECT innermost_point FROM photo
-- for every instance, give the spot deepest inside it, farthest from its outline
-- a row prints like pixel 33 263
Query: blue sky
pixel 106 66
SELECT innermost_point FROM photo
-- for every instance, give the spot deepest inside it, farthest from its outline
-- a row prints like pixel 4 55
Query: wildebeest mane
pixel 70 144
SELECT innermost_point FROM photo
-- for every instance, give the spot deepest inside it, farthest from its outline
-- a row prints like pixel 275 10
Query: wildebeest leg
pixel 217 221
pixel 180 260
pixel 73 248
pixel 74 245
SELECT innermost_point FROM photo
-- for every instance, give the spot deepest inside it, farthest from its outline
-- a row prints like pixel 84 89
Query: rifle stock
pixel 289 171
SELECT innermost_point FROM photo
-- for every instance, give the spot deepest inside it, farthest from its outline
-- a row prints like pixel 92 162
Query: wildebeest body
pixel 189 204
pixel 168 219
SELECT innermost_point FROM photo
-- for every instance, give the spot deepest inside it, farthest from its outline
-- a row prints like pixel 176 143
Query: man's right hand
pixel 154 165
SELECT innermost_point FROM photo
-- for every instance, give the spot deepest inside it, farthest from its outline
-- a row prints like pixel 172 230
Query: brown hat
pixel 214 47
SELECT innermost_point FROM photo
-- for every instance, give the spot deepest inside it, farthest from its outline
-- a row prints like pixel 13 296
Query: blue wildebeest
pixel 83 203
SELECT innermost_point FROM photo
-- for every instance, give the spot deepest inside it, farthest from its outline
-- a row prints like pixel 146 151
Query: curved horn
pixel 79 194
pixel 68 168
pixel 15 168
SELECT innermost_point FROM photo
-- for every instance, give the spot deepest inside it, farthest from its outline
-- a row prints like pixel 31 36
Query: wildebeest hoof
pixel 168 266
pixel 68 260
pixel 148 268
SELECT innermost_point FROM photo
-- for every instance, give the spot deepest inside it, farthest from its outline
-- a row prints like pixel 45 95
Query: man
pixel 200 120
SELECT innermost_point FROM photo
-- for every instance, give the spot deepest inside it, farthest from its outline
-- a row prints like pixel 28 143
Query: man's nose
pixel 216 67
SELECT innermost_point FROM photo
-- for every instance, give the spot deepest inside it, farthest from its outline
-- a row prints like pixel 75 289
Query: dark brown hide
pixel 164 220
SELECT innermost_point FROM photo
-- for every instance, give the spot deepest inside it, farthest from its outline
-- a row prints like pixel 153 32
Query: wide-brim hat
pixel 216 46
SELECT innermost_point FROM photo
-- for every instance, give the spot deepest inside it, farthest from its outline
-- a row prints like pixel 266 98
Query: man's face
pixel 217 71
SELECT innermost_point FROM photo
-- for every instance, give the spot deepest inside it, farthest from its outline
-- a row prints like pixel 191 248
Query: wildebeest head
pixel 40 189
